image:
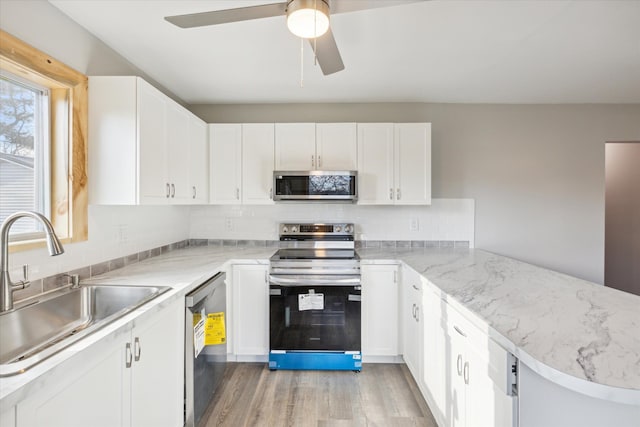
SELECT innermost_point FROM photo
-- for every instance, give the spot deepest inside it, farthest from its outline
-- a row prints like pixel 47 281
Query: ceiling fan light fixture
pixel 308 18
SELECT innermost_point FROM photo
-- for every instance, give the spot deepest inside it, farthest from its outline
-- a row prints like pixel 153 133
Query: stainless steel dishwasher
pixel 205 346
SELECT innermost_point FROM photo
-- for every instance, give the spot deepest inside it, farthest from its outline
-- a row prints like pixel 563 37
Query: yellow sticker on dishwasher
pixel 214 329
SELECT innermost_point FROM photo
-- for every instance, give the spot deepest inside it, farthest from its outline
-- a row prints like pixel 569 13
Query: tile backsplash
pixel 443 220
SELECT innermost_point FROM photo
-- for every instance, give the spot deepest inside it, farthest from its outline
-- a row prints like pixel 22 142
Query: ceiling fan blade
pixel 327 53
pixel 341 6
pixel 228 15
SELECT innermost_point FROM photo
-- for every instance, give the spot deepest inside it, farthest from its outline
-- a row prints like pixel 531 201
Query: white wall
pixel 445 219
pixel 536 172
pixel 113 231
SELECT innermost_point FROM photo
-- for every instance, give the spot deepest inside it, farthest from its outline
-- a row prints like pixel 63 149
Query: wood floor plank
pixel 381 395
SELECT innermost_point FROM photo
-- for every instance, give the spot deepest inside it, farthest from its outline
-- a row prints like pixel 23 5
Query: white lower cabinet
pixel 250 289
pixel 412 321
pixel 134 379
pixel 379 311
pixel 478 389
pixel 464 376
pixel 8 417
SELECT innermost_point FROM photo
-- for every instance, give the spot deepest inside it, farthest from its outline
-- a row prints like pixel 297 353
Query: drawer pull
pixel 459 331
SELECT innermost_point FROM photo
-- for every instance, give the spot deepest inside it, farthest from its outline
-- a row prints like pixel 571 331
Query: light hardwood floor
pixel 381 395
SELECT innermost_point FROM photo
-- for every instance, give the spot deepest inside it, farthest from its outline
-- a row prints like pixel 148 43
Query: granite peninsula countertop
pixel 579 334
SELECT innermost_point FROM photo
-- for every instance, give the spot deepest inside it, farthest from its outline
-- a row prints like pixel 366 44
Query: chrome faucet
pixel 7 287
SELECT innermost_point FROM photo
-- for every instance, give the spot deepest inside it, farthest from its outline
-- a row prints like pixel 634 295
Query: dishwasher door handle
pixel 204 290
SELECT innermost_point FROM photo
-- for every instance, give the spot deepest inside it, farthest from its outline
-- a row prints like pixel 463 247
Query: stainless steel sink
pixel 30 334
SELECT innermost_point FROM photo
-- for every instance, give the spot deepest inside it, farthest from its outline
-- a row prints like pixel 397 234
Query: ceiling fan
pixel 307 19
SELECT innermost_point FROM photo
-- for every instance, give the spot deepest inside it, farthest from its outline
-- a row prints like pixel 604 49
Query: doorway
pixel 622 216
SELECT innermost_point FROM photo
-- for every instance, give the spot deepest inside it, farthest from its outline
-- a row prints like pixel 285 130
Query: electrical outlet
pixel 414 225
pixel 228 223
pixel 123 233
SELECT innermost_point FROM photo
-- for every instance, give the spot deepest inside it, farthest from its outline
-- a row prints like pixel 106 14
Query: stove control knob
pixel 338 229
pixel 294 229
pixel 285 229
pixel 348 229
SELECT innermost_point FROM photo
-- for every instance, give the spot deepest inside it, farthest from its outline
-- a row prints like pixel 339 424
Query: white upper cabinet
pixel 295 146
pixel 154 186
pixel 394 163
pixel 336 146
pixel 198 161
pixel 178 148
pixel 257 163
pixel 412 163
pixel 241 160
pixel 311 146
pixel 225 148
pixel 375 163
pixel 139 144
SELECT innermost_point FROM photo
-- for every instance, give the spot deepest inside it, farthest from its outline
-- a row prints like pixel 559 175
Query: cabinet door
pixel 257 163
pixel 336 146
pixel 225 149
pixel 375 163
pixel 412 142
pixel 379 310
pixel 486 404
pixel 250 310
pixel 435 356
pixel 295 146
pixel 92 391
pixel 153 181
pixel 157 372
pixel 113 140
pixel 457 375
pixel 412 322
pixel 178 147
pixel 198 161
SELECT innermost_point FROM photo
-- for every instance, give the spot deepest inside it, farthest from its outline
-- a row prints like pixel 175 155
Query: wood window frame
pixel 69 107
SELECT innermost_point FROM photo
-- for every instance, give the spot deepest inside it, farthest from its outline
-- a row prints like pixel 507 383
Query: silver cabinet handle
pixel 194 191
pixel 413 311
pixel 459 364
pixel 127 355
pixel 415 287
pixel 391 194
pixel 466 373
pixel 168 190
pixel 319 162
pixel 417 314
pixel 237 194
pixel 173 191
pixel 395 276
pixel 459 331
pixel 137 349
pixel 398 194
pixel 313 161
pixel 271 193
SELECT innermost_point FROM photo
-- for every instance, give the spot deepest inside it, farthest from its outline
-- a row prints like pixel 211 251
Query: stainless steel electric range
pixel 314 299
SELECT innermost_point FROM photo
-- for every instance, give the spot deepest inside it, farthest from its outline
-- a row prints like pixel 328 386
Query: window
pixel 43 156
pixel 24 153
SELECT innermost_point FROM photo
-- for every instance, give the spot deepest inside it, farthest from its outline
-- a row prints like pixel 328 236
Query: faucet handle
pixel 25 272
pixel 24 283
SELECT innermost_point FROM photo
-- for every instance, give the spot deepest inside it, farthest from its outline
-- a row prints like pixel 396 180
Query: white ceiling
pixel 431 51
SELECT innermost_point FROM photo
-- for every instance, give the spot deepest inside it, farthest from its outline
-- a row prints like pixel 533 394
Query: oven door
pixel 315 315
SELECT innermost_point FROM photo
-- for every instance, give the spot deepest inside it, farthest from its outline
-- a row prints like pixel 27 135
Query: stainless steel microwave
pixel 320 186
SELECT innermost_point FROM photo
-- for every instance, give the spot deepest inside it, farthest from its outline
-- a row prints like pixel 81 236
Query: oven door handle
pixel 306 281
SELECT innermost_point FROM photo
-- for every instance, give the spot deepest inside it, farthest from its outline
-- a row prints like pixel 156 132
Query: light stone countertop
pixel 576 333
pixel 571 331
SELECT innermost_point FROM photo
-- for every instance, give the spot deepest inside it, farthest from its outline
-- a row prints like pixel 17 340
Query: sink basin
pixel 30 334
